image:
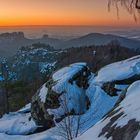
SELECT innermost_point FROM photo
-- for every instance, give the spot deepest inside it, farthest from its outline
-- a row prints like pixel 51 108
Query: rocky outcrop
pixel 39 109
pixel 111 87
pixel 14 35
pixel 66 87
pixel 126 132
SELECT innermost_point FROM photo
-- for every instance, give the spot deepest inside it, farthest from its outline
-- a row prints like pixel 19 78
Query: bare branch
pixel 132 6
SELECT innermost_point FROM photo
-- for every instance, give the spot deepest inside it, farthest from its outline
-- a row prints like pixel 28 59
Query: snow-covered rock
pixel 119 71
pixel 118 76
pixel 66 87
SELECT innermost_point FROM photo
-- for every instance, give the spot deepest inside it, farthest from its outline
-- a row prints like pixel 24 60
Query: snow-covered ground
pixel 17 124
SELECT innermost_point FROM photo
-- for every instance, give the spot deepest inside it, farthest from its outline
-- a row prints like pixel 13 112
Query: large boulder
pixel 64 94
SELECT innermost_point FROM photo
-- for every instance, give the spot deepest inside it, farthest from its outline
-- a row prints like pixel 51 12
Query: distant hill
pixel 10 42
pixel 101 39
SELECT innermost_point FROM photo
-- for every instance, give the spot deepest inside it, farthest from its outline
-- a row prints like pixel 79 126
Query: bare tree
pixel 132 6
pixel 70 125
pixel 5 75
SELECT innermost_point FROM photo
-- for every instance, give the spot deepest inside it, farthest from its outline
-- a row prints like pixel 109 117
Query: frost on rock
pixel 74 86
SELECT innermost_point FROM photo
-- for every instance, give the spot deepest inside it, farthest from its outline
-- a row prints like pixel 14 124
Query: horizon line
pixel 71 26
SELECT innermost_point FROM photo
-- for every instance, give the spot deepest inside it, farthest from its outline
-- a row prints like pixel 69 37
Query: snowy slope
pixel 128 111
pixel 101 103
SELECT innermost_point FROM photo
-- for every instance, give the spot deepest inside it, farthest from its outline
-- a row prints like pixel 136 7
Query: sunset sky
pixel 61 12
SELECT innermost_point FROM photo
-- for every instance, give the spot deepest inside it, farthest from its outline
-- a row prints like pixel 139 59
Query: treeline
pixel 16 94
pixel 97 56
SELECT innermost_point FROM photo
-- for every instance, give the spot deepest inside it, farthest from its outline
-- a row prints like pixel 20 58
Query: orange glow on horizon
pixel 61 12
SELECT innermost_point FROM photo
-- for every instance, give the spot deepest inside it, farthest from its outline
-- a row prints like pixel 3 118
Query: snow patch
pixel 43 93
pixel 25 109
pixel 17 124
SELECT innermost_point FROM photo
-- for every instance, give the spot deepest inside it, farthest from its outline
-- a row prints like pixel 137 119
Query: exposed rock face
pixel 39 109
pixel 126 132
pixel 66 87
pixel 45 36
pixel 112 89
